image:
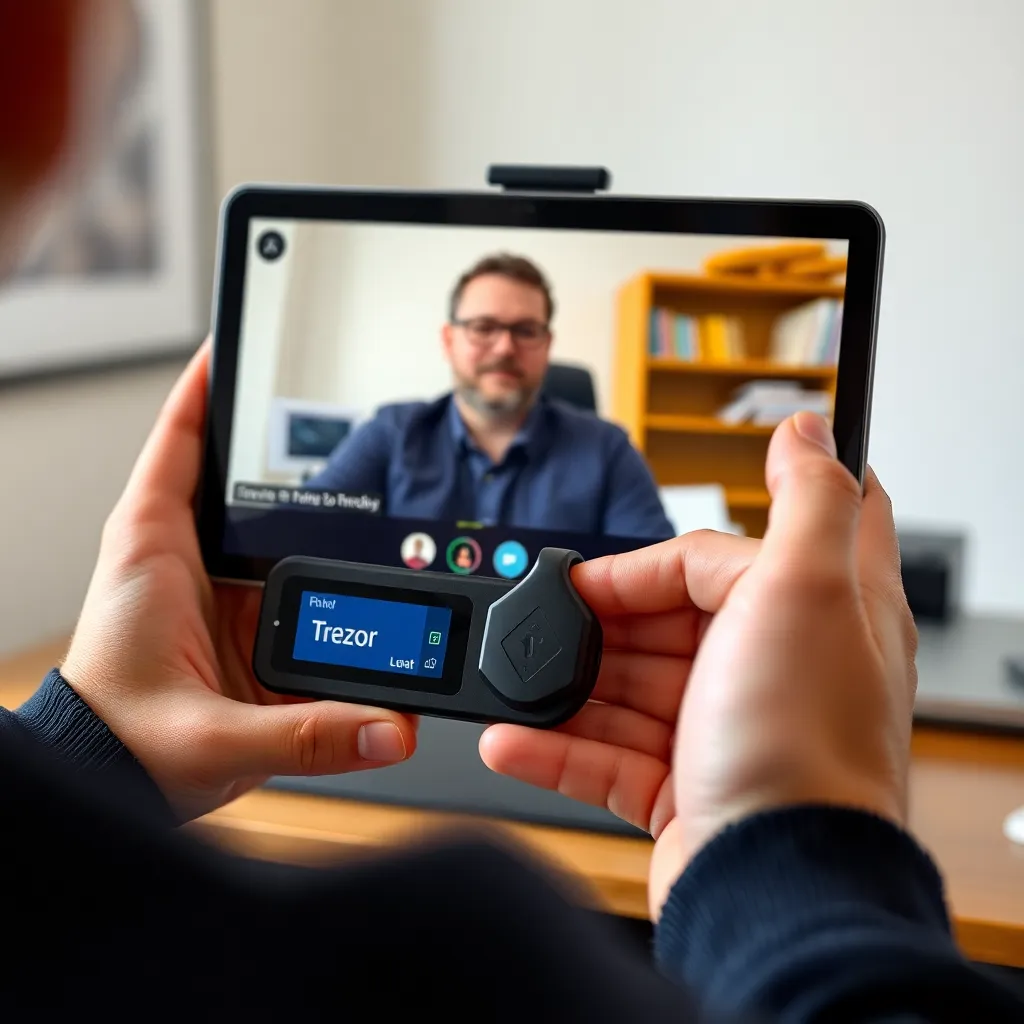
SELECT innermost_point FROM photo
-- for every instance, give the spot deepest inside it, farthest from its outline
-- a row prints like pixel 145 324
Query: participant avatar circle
pixel 271 245
pixel 464 555
pixel 418 550
pixel 510 559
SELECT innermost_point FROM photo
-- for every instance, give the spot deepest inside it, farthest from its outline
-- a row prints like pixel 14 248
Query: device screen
pixel 366 633
pixel 407 638
pixel 455 398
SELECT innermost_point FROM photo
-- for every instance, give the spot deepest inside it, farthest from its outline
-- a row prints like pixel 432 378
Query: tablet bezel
pixel 854 221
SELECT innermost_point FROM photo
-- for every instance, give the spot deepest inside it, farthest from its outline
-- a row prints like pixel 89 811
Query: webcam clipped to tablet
pixel 534 178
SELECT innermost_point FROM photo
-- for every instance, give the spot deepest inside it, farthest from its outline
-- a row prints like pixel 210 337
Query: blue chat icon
pixel 510 559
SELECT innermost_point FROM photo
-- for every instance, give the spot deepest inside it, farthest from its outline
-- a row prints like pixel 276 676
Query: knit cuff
pixel 59 720
pixel 778 880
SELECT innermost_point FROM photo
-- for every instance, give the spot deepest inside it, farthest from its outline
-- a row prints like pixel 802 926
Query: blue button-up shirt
pixel 566 469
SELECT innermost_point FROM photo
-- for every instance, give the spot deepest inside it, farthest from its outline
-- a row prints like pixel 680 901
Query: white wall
pixel 67 449
pixel 263 308
pixel 320 91
pixel 307 363
pixel 914 107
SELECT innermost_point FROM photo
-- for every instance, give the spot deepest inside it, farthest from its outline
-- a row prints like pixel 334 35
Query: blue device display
pixel 372 634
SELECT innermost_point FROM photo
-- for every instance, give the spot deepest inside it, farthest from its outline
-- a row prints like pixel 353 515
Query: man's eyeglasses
pixel 484 331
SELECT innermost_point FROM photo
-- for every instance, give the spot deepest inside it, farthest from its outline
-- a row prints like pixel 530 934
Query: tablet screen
pixel 454 398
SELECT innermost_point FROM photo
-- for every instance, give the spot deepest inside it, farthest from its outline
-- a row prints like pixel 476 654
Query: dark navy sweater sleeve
pixel 822 914
pixel 72 734
pixel 802 915
pixel 360 463
pixel 633 505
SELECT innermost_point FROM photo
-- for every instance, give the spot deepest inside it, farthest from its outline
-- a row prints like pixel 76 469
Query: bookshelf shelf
pixel 752 368
pixel 669 403
pixel 684 424
pixel 747 497
pixel 779 292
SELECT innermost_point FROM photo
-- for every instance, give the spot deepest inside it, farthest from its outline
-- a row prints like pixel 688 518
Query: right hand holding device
pixel 747 676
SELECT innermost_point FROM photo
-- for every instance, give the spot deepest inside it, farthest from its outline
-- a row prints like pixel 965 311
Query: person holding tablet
pixel 769 763
pixel 496 450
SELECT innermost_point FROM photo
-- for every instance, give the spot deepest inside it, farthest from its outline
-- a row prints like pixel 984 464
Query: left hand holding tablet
pixel 164 656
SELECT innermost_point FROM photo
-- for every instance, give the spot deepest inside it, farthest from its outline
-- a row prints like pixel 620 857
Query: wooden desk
pixel 963 786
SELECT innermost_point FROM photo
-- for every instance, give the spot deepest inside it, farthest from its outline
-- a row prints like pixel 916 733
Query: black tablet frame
pixel 855 221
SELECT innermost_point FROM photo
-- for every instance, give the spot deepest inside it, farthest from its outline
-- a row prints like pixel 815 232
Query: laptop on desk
pixel 963 674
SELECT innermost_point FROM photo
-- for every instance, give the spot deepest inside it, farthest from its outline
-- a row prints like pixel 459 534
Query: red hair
pixel 38 39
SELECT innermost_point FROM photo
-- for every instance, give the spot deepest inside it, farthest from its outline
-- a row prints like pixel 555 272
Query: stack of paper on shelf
pixel 768 402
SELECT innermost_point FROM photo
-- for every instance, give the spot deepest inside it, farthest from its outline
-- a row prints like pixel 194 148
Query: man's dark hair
pixel 515 268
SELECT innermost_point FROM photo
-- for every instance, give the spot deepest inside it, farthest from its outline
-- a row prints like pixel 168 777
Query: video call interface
pixel 453 398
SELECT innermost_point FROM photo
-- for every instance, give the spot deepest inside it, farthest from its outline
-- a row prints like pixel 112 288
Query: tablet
pixel 452 381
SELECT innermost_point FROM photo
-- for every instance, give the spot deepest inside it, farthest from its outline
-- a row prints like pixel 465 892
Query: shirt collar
pixel 533 437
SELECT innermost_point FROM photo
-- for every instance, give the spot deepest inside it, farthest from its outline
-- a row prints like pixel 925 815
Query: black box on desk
pixel 932 566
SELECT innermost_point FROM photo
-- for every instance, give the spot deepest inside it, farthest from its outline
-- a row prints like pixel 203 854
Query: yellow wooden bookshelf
pixel 669 405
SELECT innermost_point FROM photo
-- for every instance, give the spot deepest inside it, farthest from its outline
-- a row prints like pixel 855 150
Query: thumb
pixel 816 501
pixel 315 738
pixel 167 469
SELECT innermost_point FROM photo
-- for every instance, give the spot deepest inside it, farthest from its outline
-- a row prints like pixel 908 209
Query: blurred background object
pixel 911 110
pixel 119 269
pixel 111 225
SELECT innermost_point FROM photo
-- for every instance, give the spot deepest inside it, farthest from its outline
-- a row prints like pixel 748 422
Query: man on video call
pixel 496 450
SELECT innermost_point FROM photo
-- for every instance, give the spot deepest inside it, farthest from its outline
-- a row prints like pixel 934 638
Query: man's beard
pixel 504 407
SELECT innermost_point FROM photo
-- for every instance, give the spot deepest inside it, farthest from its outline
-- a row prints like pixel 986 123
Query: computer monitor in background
pixel 302 434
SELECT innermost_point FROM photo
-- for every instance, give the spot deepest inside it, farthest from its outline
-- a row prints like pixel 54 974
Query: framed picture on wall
pixel 119 270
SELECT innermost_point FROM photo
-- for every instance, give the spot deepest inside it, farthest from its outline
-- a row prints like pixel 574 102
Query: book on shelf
pixel 673 335
pixel 769 402
pixel 808 335
pixel 721 338
pixel 710 338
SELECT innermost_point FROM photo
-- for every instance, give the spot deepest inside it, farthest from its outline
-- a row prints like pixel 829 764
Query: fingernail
pixel 817 429
pixel 381 741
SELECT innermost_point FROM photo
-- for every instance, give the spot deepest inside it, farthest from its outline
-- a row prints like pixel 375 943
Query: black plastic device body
pixel 462 647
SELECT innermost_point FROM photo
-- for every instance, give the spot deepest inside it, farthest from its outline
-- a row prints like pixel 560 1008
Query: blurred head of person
pixel 498 336
pixel 63 64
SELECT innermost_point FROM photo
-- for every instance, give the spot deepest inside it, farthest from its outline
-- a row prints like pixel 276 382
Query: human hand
pixel 655 605
pixel 164 657
pixel 798 669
